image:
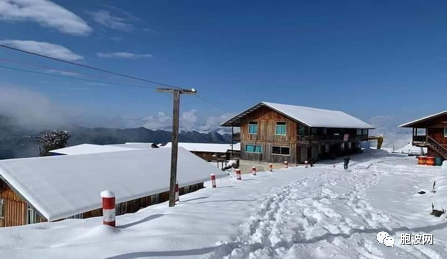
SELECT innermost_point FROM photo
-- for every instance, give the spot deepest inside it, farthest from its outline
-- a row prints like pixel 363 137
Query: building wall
pixel 266 137
pixel 16 208
pixel 302 148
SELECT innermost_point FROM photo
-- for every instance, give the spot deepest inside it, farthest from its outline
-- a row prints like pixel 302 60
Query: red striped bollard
pixel 286 164
pixel 270 167
pixel 108 208
pixel 306 164
pixel 253 170
pixel 238 174
pixel 213 180
pixel 177 193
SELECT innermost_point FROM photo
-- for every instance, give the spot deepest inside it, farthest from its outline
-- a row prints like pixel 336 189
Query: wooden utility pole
pixel 175 129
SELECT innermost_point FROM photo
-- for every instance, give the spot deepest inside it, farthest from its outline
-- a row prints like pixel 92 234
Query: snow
pixel 411 150
pixel 89 149
pixel 62 186
pixel 312 117
pixel 206 147
pixel 320 212
pixel 138 145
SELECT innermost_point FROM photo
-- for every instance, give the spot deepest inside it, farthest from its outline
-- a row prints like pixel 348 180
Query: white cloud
pixel 44 48
pixel 108 20
pixel 213 122
pixel 62 73
pixel 46 13
pixel 125 55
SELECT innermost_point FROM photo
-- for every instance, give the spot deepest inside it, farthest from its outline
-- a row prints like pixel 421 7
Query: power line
pixel 86 66
pixel 76 78
pixel 101 70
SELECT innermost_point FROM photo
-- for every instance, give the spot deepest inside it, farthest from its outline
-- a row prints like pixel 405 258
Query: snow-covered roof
pixel 411 123
pixel 89 149
pixel 138 145
pixel 206 147
pixel 62 186
pixel 312 117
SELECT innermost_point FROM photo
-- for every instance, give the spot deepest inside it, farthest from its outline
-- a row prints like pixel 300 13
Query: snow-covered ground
pixel 318 212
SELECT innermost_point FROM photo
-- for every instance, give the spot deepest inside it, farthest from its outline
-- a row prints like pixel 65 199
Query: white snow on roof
pixel 138 145
pixel 314 117
pixel 89 149
pixel 422 119
pixel 206 147
pixel 62 186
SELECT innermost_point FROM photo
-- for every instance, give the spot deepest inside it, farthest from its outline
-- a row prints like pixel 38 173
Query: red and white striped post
pixel 177 193
pixel 286 164
pixel 253 170
pixel 306 164
pixel 108 208
pixel 238 174
pixel 213 180
pixel 270 167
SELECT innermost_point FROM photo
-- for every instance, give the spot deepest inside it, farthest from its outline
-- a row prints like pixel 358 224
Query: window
pixel 313 131
pixel 365 132
pixel 252 127
pixel 253 148
pixel 327 148
pixel 349 145
pixel 342 146
pixel 301 130
pixel 280 128
pixel 281 151
pixel 32 215
pixel 445 132
pixel 2 206
pixel 359 131
pixel 324 131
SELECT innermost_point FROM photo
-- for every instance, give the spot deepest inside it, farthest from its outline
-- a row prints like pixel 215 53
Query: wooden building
pixel 272 132
pixel 211 151
pixel 42 189
pixel 430 132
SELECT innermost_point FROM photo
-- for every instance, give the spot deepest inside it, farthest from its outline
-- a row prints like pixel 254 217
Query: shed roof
pixel 414 122
pixel 312 117
pixel 62 186
pixel 206 147
pixel 89 149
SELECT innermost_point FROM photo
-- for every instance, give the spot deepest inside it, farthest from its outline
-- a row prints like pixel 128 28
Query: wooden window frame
pixel 276 127
pixel 2 208
pixel 254 152
pixel 257 127
pixel 280 149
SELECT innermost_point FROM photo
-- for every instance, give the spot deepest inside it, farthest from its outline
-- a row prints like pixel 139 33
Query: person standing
pixel 346 162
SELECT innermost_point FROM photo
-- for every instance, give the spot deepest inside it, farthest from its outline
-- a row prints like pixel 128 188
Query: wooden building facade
pixel 430 132
pixel 16 211
pixel 272 133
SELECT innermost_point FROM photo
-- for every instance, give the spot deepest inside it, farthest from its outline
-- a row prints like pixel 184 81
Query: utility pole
pixel 175 128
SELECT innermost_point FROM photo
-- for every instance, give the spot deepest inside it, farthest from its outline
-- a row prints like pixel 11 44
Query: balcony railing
pixel 420 138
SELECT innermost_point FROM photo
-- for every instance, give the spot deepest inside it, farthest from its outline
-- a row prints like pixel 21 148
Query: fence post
pixel 270 167
pixel 253 170
pixel 238 174
pixel 213 180
pixel 108 208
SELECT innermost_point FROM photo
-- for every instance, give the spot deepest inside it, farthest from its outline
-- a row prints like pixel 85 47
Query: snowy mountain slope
pixel 317 212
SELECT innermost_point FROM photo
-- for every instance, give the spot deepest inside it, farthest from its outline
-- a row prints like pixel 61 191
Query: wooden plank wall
pixel 266 119
pixel 15 209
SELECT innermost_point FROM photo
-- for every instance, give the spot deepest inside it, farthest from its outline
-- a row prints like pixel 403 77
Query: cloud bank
pixel 123 55
pixel 44 48
pixel 46 14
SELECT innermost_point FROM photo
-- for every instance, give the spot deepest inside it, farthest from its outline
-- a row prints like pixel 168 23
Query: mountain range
pixel 18 141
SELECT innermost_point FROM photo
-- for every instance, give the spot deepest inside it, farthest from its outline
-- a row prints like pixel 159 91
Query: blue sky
pixel 367 58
